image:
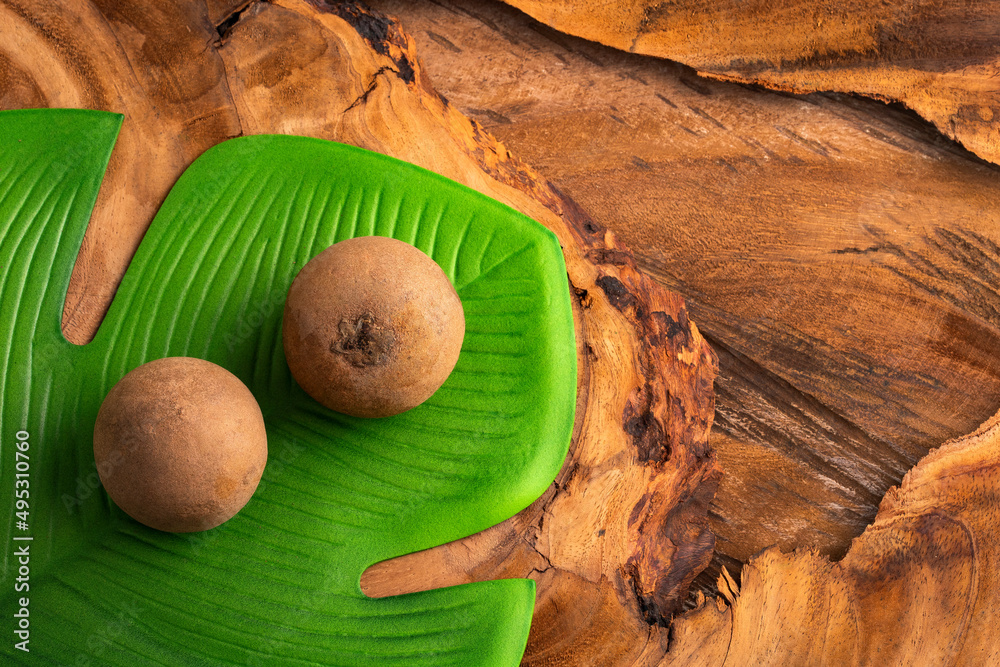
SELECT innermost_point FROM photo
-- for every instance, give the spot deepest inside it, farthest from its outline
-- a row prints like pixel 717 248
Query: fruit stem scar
pixel 364 342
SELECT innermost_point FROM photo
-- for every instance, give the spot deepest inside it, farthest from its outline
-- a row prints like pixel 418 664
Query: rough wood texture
pixel 615 541
pixel 840 255
pixel 94 55
pixel 919 587
pixel 938 57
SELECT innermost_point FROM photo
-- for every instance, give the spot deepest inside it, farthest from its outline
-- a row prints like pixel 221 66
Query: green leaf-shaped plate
pixel 279 583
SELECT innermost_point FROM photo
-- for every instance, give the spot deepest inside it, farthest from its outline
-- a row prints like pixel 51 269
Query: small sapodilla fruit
pixel 180 444
pixel 372 327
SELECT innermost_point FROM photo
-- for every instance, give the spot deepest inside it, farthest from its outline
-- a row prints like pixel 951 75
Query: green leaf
pixel 279 583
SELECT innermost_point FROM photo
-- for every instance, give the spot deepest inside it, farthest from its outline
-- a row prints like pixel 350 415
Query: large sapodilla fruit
pixel 372 327
pixel 180 444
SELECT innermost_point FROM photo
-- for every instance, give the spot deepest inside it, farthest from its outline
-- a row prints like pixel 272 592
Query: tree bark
pixel 616 540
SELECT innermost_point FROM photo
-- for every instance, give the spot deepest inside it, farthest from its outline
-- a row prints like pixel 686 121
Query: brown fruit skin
pixel 372 327
pixel 180 444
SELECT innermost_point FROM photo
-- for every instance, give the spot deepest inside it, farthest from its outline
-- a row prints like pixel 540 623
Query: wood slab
pixel 919 587
pixel 938 57
pixel 616 540
pixel 840 255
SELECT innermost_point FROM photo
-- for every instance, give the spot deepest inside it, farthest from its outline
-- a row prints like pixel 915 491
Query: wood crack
pixel 363 97
pixel 226 25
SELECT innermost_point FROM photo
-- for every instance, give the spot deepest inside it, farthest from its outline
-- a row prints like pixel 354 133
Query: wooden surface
pixel 919 587
pixel 938 57
pixel 614 543
pixel 840 255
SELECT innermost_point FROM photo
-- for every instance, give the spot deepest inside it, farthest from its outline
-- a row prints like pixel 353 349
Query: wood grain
pixel 616 540
pixel 93 55
pixel 938 57
pixel 919 587
pixel 840 255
